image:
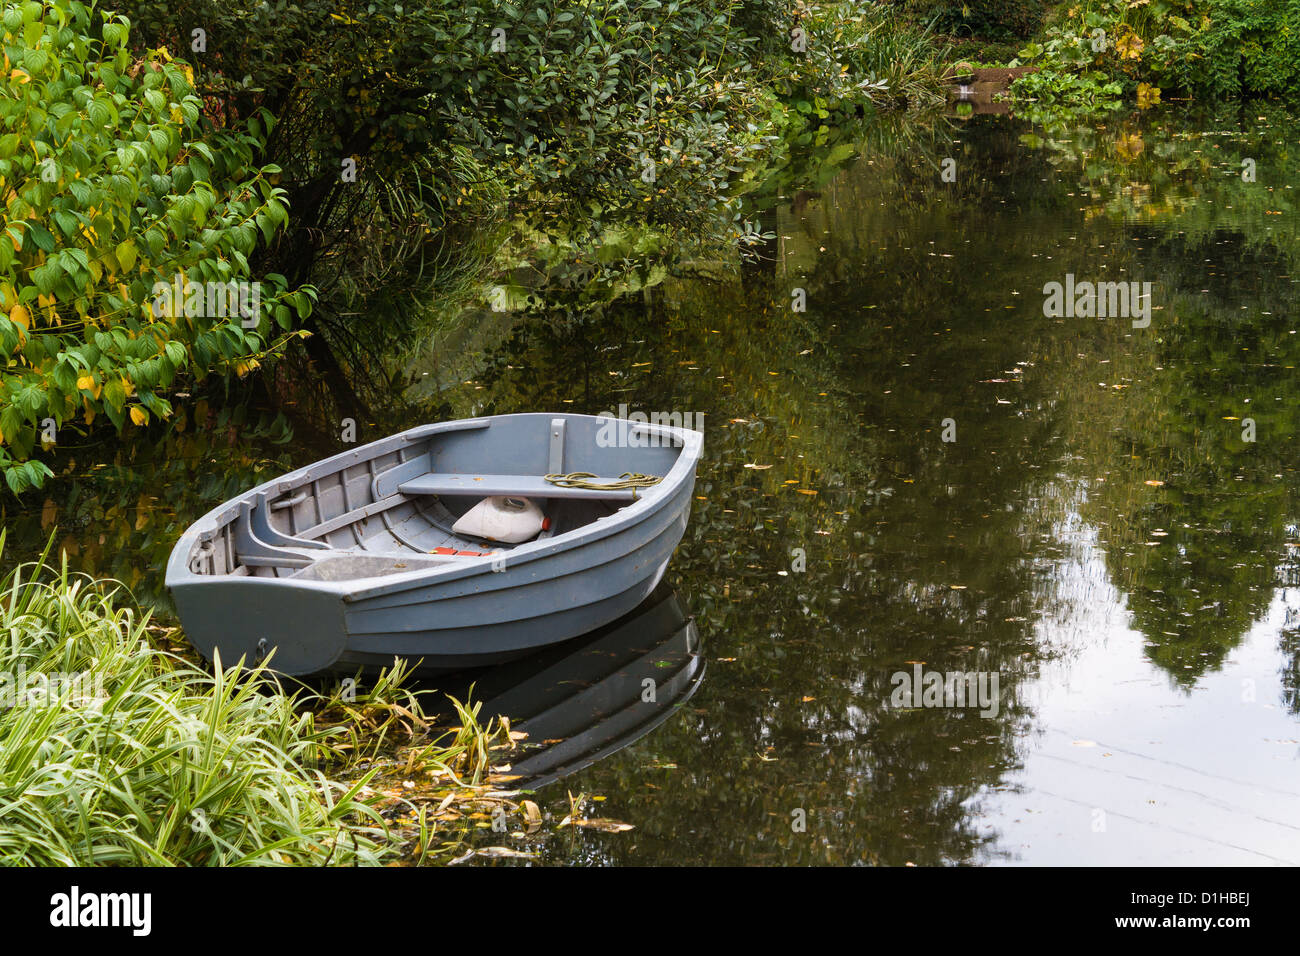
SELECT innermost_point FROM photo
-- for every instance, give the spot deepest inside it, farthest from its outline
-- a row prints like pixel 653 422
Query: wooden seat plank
pixel 523 486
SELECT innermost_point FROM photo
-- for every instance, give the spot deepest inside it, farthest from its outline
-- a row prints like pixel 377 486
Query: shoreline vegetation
pixel 1099 55
pixel 119 750
pixel 454 152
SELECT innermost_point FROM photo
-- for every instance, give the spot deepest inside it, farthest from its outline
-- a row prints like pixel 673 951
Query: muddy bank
pixel 980 87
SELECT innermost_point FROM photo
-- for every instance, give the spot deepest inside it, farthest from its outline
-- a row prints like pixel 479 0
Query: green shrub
pixel 1097 50
pixel 108 191
pixel 557 103
pixel 992 19
pixel 1240 48
pixel 1204 49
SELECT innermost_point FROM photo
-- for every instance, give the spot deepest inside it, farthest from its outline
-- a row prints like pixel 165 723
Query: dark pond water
pixel 1101 536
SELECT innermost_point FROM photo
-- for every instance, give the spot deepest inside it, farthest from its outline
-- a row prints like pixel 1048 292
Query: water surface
pixel 1099 535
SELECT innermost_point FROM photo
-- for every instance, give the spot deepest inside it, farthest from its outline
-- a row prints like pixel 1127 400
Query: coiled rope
pixel 583 479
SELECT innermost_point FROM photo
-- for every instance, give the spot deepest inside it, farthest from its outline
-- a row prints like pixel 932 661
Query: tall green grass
pixel 113 751
pixel 855 54
pixel 912 61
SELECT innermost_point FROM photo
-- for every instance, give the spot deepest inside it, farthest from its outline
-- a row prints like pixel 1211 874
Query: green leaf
pixel 126 254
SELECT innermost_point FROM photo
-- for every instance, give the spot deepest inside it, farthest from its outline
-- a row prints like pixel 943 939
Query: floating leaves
pixel 602 824
pixel 532 814
pixel 503 853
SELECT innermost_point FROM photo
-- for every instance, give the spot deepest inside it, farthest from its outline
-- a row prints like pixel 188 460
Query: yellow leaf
pixel 20 317
pixel 532 813
pixel 139 415
pixel 86 381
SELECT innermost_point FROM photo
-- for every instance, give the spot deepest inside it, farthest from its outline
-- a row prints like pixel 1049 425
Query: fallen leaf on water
pixel 1154 483
pixel 504 853
pixel 603 824
pixel 532 814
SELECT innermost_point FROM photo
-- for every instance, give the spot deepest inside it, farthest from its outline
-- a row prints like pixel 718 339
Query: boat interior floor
pixel 395 535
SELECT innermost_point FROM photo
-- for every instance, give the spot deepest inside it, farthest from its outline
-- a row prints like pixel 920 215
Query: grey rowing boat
pixel 357 560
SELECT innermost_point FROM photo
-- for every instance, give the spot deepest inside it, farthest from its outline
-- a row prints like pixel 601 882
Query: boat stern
pixel 298 631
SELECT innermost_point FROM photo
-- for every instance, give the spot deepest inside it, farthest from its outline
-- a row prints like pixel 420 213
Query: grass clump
pixel 115 752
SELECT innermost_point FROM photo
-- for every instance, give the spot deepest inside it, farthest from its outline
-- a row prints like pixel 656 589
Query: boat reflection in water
pixel 587 698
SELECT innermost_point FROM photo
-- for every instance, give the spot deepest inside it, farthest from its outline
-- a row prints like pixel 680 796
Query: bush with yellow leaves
pixel 115 187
